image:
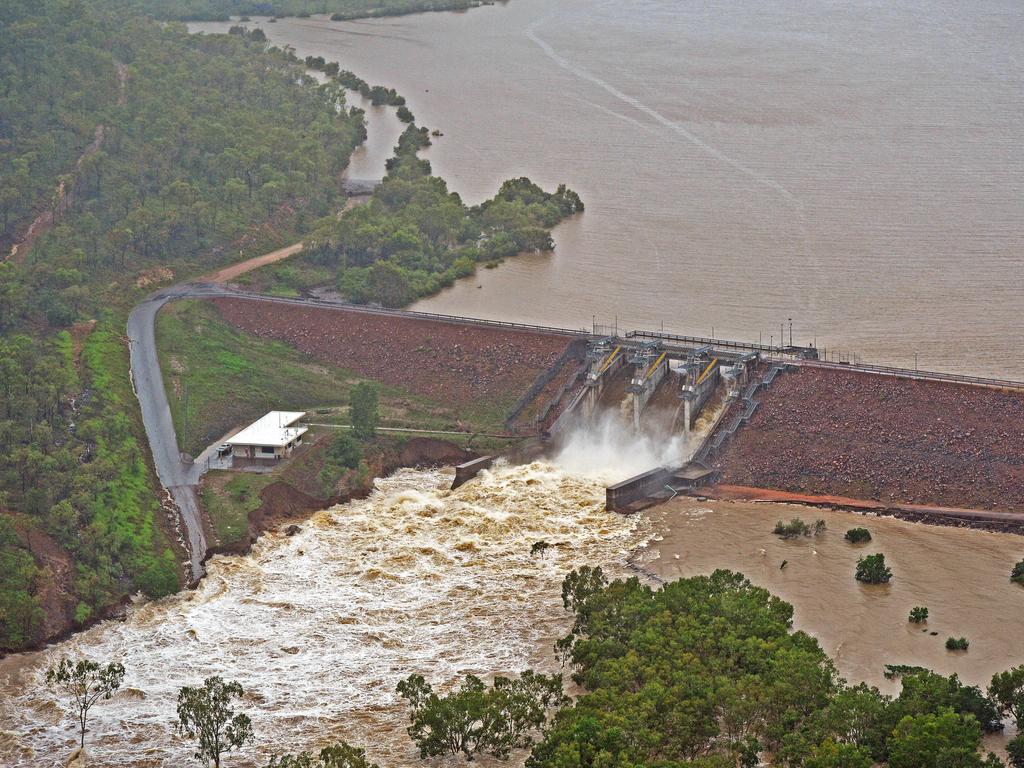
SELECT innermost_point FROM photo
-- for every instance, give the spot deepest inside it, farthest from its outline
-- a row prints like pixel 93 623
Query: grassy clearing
pixel 218 377
pixel 228 498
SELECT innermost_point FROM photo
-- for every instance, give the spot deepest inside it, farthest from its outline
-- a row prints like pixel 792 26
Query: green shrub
pixel 1017 575
pixel 957 643
pixel 918 615
pixel 872 569
pixel 858 535
pixel 345 450
pixel 793 529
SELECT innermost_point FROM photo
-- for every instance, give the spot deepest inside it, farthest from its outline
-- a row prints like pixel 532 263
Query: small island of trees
pixel 871 569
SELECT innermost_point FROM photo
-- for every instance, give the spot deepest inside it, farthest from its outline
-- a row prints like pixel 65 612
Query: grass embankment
pixel 233 378
pixel 228 498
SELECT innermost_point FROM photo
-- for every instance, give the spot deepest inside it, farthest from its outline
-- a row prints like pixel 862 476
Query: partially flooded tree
pixel 872 569
pixel 1007 688
pixel 205 714
pixel 84 682
pixel 539 548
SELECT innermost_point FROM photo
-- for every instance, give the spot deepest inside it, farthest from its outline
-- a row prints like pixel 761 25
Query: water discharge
pixel 608 450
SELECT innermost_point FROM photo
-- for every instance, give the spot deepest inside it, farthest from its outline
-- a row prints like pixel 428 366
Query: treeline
pixel 707 672
pixel 339 10
pixel 210 146
pixel 378 95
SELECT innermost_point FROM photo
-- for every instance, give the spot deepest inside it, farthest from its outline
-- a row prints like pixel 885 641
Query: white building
pixel 270 438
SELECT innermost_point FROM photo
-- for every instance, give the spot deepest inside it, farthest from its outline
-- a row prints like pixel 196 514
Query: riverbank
pixel 239 507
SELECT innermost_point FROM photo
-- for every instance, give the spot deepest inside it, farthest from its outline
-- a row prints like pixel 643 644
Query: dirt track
pixel 451 362
pixel 893 440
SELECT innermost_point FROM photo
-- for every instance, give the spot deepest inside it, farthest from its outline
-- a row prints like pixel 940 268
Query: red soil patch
pixel 837 433
pixel 461 365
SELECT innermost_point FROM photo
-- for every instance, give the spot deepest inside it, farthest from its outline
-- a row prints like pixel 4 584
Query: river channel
pixel 856 167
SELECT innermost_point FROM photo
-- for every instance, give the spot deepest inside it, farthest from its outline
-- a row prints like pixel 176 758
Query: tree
pixel 580 584
pixel 935 741
pixel 1017 574
pixel 363 409
pixel 205 714
pixel 1007 688
pixel 858 535
pixel 871 569
pixel 84 682
pixel 829 754
pixel 918 615
pixel 477 719
pixel 340 755
pixel 957 643
pixel 1015 750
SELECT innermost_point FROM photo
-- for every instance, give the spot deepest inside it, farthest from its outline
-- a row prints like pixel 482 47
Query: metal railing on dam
pixel 913 373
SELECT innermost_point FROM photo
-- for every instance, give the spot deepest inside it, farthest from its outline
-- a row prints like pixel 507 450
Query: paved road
pixel 178 477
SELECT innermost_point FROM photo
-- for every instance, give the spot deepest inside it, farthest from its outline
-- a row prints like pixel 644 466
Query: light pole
pixel 791 331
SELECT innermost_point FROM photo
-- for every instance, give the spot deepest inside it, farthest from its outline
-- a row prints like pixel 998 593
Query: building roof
pixel 275 429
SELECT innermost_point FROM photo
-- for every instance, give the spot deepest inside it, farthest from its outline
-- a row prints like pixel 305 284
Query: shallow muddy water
pixel 960 575
pixel 856 167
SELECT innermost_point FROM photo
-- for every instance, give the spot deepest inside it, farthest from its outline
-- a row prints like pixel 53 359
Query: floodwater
pixel 321 626
pixel 854 166
pixel 961 576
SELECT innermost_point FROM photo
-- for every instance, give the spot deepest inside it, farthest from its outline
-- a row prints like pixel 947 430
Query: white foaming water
pixel 608 450
pixel 320 627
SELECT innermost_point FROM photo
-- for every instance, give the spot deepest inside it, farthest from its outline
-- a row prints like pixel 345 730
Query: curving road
pixel 179 477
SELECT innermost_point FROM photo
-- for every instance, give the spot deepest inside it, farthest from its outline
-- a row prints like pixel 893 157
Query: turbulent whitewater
pixel 319 627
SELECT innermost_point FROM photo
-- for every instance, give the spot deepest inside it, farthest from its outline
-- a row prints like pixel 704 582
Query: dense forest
pixel 142 154
pixel 414 237
pixel 221 10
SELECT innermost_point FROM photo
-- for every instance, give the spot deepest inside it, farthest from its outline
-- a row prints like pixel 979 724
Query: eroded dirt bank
pixel 296 495
pixel 897 441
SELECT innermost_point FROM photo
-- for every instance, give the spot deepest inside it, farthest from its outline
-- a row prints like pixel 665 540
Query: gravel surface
pixel 875 437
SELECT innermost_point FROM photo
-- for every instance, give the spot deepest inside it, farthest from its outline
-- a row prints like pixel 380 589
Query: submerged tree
pixel 871 569
pixel 857 535
pixel 205 714
pixel 85 682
